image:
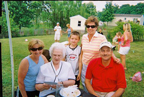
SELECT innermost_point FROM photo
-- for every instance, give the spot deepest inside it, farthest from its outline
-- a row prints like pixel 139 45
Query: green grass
pixel 134 63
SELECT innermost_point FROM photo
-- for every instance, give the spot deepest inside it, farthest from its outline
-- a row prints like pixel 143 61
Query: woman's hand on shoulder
pixel 117 60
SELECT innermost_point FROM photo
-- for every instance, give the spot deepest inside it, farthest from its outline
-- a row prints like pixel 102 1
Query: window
pixel 79 23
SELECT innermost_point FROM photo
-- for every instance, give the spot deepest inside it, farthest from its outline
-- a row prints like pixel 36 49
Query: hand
pixel 60 82
pixel 46 86
pixel 53 86
pixel 122 44
pixel 117 60
pixel 78 77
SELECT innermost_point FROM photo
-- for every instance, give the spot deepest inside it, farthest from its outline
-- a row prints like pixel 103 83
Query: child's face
pixel 74 39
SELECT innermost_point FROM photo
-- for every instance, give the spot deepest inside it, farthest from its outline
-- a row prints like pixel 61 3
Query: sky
pixel 101 4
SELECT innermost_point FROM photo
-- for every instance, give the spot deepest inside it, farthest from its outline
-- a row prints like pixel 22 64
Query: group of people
pixel 93 62
pixel 58 32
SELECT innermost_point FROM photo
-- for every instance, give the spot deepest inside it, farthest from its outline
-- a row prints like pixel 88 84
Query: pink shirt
pixel 127 44
pixel 91 48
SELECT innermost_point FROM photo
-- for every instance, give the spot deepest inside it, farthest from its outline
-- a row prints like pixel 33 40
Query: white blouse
pixel 47 73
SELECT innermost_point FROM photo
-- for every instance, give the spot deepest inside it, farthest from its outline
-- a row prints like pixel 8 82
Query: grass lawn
pixel 134 63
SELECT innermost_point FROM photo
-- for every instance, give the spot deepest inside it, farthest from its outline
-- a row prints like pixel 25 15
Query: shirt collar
pixel 95 35
pixel 53 65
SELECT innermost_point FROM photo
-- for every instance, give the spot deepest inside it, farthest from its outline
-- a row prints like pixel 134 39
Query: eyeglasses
pixel 92 26
pixel 35 49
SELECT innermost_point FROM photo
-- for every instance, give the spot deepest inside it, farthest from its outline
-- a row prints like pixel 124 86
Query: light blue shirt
pixel 32 73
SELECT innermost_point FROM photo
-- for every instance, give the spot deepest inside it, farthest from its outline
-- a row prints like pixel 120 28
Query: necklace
pixel 56 75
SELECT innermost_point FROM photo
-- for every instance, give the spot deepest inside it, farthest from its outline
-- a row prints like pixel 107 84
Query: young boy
pixel 73 55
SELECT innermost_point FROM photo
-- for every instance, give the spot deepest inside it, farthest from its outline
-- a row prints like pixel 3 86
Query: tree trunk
pixel 20 29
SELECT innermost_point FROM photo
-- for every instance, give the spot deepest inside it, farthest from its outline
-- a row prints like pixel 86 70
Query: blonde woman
pixel 29 68
pixel 126 39
pixel 68 31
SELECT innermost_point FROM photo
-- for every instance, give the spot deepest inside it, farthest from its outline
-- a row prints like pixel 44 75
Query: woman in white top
pixel 56 71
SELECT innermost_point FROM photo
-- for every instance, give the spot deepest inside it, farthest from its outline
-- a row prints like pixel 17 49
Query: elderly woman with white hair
pixel 57 71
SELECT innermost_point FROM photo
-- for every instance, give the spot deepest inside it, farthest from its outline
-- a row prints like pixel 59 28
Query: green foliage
pixel 130 9
pixel 108 13
pixel 14 28
pixel 20 13
pixel 137 31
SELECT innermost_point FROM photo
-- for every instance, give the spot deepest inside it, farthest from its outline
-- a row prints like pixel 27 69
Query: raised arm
pixel 71 30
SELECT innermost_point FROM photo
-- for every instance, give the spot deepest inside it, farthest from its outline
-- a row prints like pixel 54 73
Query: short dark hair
pixel 46 54
pixel 75 33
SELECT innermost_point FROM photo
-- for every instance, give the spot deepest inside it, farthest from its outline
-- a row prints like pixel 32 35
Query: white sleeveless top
pixel 72 56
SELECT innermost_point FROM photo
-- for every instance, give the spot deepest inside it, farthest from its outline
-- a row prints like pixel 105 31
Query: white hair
pixel 57 45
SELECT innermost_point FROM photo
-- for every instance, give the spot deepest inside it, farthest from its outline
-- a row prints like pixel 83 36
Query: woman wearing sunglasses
pixel 29 68
pixel 90 45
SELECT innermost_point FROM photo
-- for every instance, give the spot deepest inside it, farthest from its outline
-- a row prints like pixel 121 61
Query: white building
pixel 125 18
pixel 77 23
pixel 142 20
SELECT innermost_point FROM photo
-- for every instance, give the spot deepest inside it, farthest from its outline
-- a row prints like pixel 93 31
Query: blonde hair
pixel 35 41
pixel 92 19
pixel 127 27
pixel 68 25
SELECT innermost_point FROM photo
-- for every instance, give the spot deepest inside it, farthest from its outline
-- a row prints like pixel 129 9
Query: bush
pixel 4 31
pixel 137 31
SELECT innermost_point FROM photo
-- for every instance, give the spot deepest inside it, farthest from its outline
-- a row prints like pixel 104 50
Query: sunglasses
pixel 35 49
pixel 92 26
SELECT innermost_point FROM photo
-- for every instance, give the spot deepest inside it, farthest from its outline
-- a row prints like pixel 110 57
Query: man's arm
pixel 89 87
pixel 119 92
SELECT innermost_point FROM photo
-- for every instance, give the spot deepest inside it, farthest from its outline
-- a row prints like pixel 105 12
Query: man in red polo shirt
pixel 108 77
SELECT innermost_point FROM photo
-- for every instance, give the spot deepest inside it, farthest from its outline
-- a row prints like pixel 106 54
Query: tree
pixel 127 9
pixel 36 8
pixel 115 7
pixel 20 13
pixel 91 9
pixel 108 13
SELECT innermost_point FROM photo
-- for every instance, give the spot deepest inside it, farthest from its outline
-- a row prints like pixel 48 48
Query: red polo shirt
pixel 106 79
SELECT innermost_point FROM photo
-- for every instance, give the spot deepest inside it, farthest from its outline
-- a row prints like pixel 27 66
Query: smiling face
pixel 74 39
pixel 105 53
pixel 57 56
pixel 90 30
pixel 37 52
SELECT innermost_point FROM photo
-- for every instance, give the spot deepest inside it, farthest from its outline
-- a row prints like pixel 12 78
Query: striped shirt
pixel 91 48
